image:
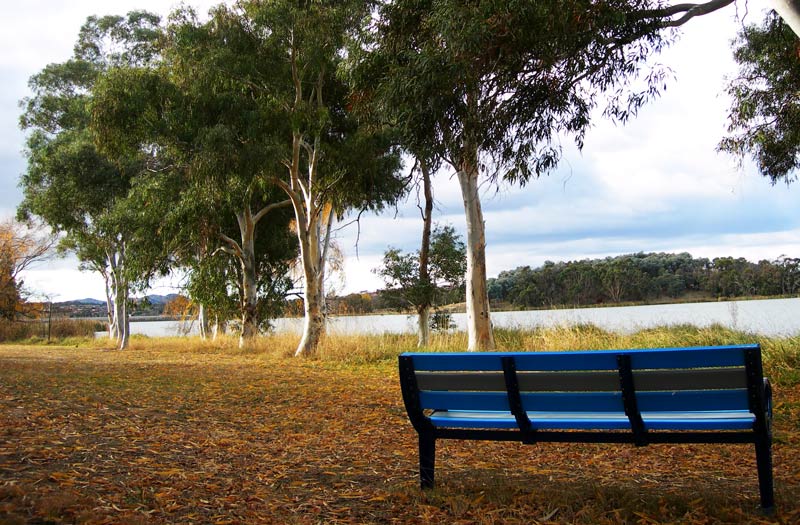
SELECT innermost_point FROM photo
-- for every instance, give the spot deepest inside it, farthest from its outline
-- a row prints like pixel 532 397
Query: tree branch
pixel 689 11
pixel 266 209
pixel 234 248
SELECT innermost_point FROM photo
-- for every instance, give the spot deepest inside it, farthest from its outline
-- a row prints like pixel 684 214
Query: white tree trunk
pixel 311 212
pixel 117 295
pixel 202 321
pixel 245 253
pixel 122 320
pixel 249 279
pixel 479 324
pixel 313 248
pixel 424 326
pixel 314 322
pixel 125 319
pixel 215 328
pixel 113 319
pixel 112 324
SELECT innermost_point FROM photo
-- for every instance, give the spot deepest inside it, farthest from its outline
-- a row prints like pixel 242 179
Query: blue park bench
pixel 676 395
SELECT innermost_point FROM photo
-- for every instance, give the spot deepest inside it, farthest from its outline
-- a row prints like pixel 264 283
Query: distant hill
pixel 161 299
pixel 153 299
pixel 151 305
pixel 83 301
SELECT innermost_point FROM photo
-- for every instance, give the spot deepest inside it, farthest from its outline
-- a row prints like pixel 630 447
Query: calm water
pixel 773 317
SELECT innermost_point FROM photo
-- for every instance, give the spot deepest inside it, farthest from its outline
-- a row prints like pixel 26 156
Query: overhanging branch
pixel 688 11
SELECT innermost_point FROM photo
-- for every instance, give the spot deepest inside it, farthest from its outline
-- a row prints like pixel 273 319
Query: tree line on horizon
pixel 228 148
pixel 642 277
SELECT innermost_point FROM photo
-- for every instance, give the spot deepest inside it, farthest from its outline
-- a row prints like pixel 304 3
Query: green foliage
pixel 643 277
pixel 357 165
pixel 75 188
pixel 406 287
pixel 502 78
pixel 442 321
pixel 764 119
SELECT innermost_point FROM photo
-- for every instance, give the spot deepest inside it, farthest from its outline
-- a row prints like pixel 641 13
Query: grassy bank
pixel 179 431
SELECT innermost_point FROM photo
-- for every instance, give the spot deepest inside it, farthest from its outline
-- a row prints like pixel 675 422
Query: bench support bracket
pixel 515 401
pixel 629 400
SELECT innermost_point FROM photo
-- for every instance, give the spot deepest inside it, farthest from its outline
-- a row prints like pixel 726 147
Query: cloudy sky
pixel 655 184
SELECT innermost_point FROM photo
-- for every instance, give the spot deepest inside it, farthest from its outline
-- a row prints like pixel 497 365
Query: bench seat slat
pixel 711 420
pixel 708 378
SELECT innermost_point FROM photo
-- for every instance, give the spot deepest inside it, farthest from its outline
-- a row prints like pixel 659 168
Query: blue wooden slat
pixel 496 420
pixel 711 420
pixel 687 400
pixel 692 400
pixel 539 401
pixel 458 361
pixel 558 361
pixel 688 358
pixel 573 402
pixel 584 360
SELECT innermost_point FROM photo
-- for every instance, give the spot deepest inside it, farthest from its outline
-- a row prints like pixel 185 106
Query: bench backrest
pixel 658 380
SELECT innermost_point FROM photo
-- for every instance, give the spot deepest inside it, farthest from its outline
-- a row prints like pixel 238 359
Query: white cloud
pixel 63 284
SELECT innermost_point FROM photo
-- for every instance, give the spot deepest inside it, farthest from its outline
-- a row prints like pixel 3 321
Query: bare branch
pixel 233 248
pixel 266 209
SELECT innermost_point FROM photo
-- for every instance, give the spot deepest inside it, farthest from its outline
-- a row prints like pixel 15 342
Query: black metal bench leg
pixel 765 485
pixel 427 460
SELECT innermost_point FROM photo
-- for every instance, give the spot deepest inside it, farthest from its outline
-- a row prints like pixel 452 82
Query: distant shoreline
pixel 505 307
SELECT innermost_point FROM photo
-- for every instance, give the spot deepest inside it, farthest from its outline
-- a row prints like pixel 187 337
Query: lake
pixel 770 317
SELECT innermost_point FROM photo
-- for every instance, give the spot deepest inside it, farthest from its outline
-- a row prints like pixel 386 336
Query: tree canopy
pixel 764 119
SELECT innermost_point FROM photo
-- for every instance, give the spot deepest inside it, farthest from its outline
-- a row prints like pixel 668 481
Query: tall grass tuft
pixel 782 360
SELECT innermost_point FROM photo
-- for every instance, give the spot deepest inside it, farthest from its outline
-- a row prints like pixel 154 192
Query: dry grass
pixel 180 431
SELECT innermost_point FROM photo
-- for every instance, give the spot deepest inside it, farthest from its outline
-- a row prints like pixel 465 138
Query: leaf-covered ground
pixel 169 436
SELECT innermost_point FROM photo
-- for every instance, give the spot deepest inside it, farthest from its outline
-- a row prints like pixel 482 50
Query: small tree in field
pixel 408 286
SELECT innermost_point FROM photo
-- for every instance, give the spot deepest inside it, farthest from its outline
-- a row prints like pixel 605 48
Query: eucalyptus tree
pixel 331 162
pixel 69 184
pixel 208 113
pixel 764 119
pixel 491 87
